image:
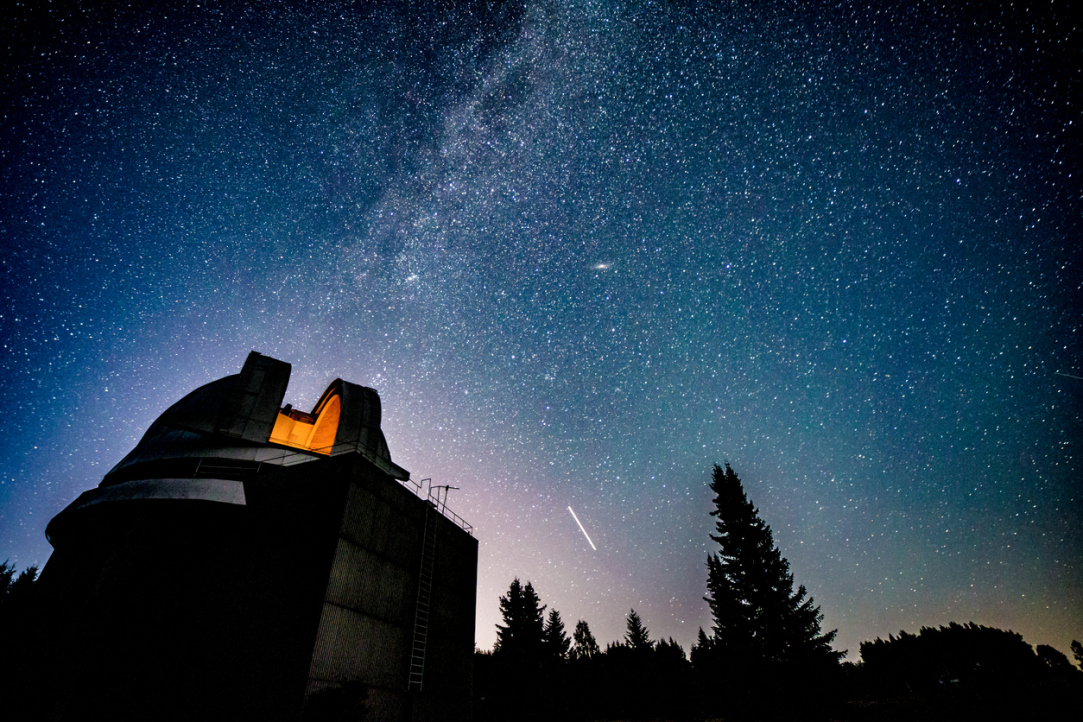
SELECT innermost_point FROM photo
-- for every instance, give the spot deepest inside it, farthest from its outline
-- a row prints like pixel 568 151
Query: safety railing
pixel 424 489
pixel 468 528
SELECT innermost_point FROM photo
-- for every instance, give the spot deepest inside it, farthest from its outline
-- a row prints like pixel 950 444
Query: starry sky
pixel 584 250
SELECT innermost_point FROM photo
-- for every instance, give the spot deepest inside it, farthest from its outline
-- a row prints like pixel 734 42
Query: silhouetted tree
pixel 521 636
pixel 15 591
pixel 7 572
pixel 20 646
pixel 670 649
pixel 586 675
pixel 1077 652
pixel 672 679
pixel 644 679
pixel 585 644
pixel 764 632
pixel 1054 661
pixel 520 668
pixel 637 637
pixel 702 653
pixel 966 655
pixel 556 640
pixel 967 671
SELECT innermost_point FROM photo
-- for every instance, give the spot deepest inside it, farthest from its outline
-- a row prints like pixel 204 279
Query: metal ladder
pixel 424 599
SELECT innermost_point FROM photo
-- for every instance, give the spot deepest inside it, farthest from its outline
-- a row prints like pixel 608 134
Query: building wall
pixel 449 665
pixel 167 611
pixel 367 622
pixel 180 609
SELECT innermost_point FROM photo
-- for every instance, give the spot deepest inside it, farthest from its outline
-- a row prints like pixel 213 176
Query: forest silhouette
pixel 764 658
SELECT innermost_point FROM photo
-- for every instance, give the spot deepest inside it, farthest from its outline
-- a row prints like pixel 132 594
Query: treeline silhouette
pixel 537 672
pixel 954 672
pixel 963 655
pixel 765 656
pixel 19 643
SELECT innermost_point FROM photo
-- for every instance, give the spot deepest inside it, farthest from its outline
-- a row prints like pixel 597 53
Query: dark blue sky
pixel 584 251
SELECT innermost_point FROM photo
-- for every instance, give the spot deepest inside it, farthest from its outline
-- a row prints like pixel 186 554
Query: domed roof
pixel 239 418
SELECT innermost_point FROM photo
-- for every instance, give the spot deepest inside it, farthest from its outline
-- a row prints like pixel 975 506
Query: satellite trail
pixel 582 529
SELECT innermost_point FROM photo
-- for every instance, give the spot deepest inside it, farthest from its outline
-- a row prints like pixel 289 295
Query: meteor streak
pixel 582 529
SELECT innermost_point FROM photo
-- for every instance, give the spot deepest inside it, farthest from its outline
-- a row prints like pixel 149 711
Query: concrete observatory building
pixel 250 561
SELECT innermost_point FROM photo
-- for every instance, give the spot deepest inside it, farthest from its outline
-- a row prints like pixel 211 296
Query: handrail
pixel 452 516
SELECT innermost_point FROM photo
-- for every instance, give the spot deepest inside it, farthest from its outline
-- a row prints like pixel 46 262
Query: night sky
pixel 584 251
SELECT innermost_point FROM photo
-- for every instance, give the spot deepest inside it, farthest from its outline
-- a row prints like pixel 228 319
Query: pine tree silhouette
pixel 764 634
pixel 586 646
pixel 638 637
pixel 556 640
pixel 520 637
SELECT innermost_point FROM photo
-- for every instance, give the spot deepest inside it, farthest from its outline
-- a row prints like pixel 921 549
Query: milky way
pixel 583 251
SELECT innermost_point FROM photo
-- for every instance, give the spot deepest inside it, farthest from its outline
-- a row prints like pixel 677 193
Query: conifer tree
pixel 586 646
pixel 637 637
pixel 701 650
pixel 760 622
pixel 521 636
pixel 557 643
pixel 518 679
